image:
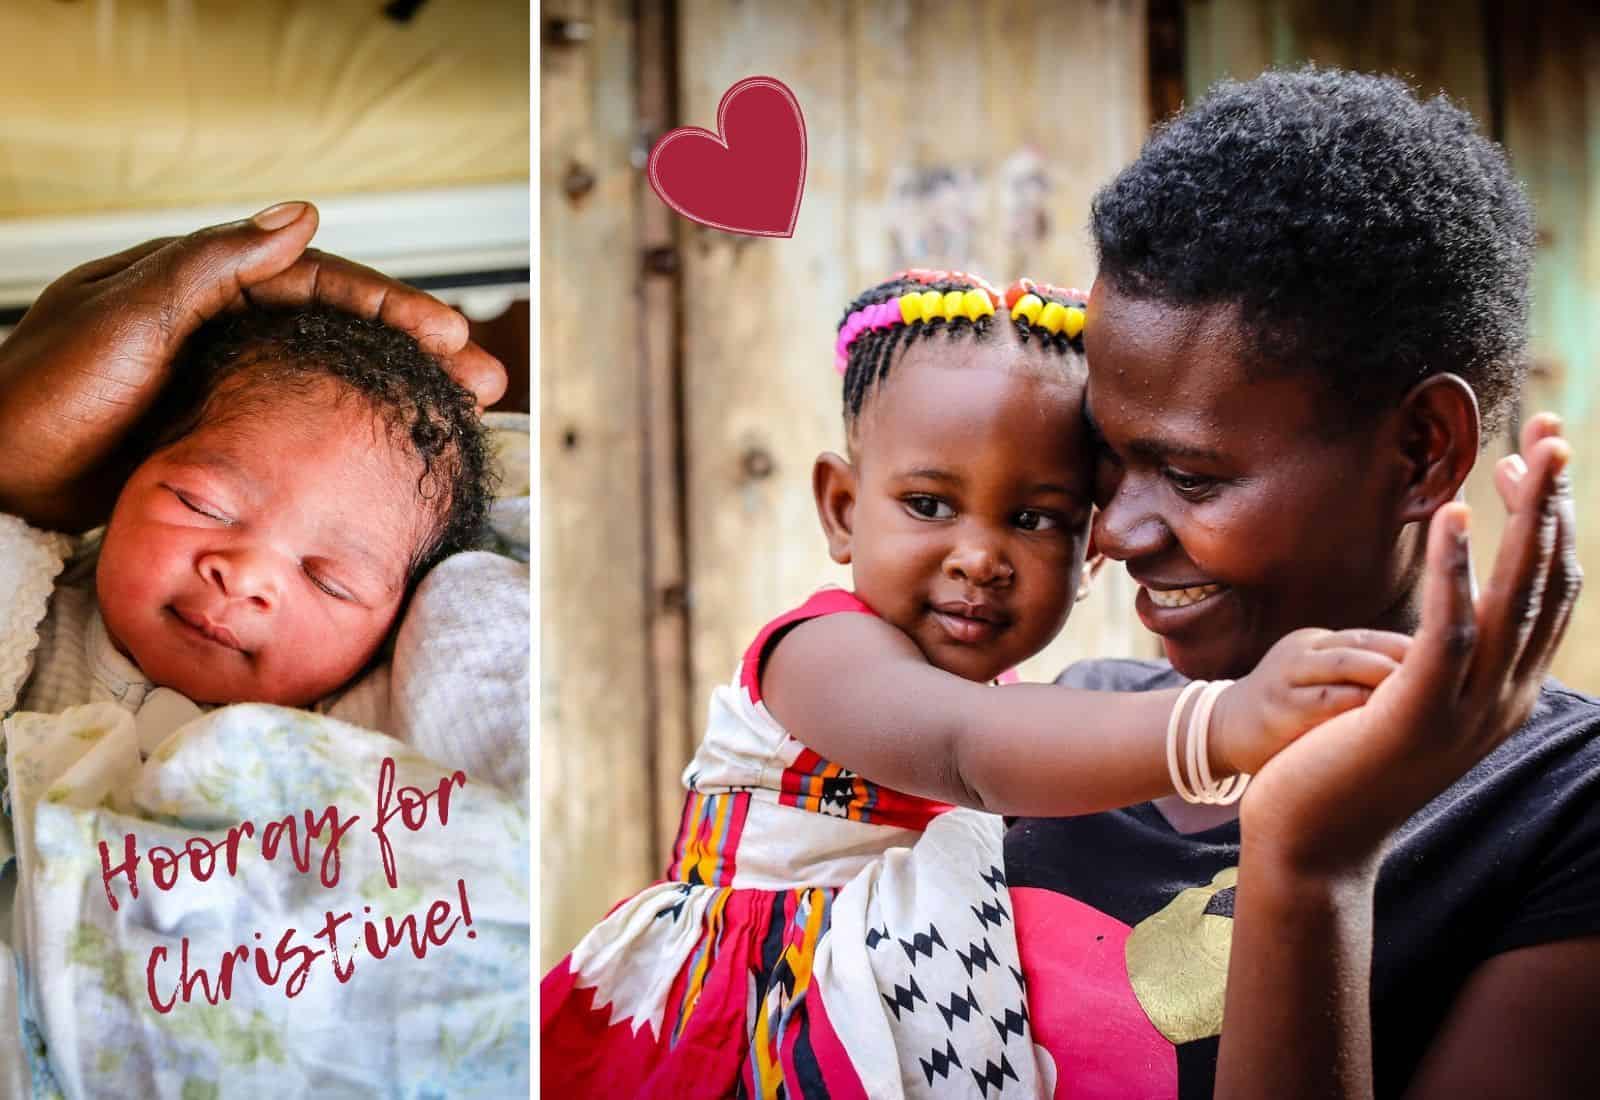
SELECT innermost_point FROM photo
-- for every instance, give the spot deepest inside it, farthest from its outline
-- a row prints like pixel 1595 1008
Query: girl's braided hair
pixel 872 353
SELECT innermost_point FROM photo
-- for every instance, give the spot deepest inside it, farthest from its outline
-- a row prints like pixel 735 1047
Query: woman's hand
pixel 88 359
pixel 1326 804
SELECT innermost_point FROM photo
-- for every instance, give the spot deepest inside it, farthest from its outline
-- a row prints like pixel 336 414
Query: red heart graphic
pixel 746 178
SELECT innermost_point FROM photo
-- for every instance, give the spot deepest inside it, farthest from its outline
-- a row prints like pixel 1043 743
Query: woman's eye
pixel 1031 520
pixel 929 507
pixel 1191 486
pixel 200 507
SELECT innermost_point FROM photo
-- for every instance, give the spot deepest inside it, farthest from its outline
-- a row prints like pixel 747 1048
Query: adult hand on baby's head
pixel 91 355
pixel 1327 803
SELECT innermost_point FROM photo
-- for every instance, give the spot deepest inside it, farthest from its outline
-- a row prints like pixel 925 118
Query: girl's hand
pixel 1305 679
pixel 1326 805
pixel 88 359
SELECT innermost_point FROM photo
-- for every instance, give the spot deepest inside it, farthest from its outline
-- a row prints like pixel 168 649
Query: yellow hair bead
pixel 911 308
pixel 955 304
pixel 977 304
pixel 1029 306
pixel 932 305
pixel 1052 316
pixel 1073 323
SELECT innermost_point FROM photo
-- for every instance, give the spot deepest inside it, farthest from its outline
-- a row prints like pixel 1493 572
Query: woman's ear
pixel 833 483
pixel 1440 432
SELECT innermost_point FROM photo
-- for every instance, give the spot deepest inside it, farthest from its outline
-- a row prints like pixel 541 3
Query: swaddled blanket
pixel 328 978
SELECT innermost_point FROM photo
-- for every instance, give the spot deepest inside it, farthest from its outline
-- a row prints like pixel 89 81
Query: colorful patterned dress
pixel 816 935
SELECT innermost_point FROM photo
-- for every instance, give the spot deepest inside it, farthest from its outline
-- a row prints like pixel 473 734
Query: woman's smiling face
pixel 1237 513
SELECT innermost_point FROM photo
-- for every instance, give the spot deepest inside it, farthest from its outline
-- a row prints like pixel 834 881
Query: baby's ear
pixel 1093 559
pixel 833 483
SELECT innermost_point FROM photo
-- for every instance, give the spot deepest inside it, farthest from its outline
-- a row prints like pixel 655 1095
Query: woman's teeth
pixel 1182 597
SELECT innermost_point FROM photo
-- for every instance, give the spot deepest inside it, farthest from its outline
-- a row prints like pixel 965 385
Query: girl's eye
pixel 929 507
pixel 1032 520
pixel 330 589
pixel 1189 486
pixel 199 507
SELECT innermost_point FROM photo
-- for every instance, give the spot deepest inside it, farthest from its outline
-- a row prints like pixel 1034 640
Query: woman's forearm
pixel 1297 1019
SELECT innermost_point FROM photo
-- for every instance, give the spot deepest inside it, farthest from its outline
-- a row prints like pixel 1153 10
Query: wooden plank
pixel 594 783
pixel 671 732
pixel 760 394
pixel 1550 55
pixel 1435 45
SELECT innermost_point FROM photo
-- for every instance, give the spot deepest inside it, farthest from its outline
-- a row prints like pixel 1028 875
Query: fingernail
pixel 276 217
pixel 1561 454
pixel 1516 467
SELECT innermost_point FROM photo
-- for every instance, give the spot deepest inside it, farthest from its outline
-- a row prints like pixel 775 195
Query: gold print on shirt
pixel 1178 962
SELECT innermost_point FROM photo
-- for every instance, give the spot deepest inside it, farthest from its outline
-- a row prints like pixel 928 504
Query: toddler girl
pixel 962 507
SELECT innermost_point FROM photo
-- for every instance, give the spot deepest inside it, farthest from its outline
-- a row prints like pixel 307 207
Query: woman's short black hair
pixel 1363 234
pixel 257 354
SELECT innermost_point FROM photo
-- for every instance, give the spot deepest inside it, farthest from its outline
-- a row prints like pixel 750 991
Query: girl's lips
pixel 964 628
pixel 1172 620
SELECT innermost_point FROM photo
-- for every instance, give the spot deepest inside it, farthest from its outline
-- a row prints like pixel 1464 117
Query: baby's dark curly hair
pixel 1363 234
pixel 259 354
pixel 875 351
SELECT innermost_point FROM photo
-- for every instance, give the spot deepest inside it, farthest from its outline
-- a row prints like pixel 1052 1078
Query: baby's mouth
pixel 970 623
pixel 1182 597
pixel 214 632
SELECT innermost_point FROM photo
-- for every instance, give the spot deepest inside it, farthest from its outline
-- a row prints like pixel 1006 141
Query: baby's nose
pixel 243 574
pixel 978 563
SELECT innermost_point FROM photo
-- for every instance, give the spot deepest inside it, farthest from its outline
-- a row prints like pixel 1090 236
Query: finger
pixel 1513 602
pixel 1539 426
pixel 1564 583
pixel 1387 642
pixel 198 276
pixel 1508 474
pixel 479 372
pixel 354 288
pixel 1441 653
pixel 1363 667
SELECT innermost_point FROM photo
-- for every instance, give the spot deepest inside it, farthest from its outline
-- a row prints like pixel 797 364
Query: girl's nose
pixel 1128 526
pixel 242 574
pixel 978 562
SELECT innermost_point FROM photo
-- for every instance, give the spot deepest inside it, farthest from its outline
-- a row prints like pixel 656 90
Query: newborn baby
pixel 310 467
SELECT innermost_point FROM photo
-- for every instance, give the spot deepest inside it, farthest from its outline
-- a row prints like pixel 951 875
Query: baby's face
pixel 263 558
pixel 972 502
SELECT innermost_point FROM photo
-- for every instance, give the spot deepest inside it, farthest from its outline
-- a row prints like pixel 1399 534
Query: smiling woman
pixel 1311 312
pixel 1241 508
